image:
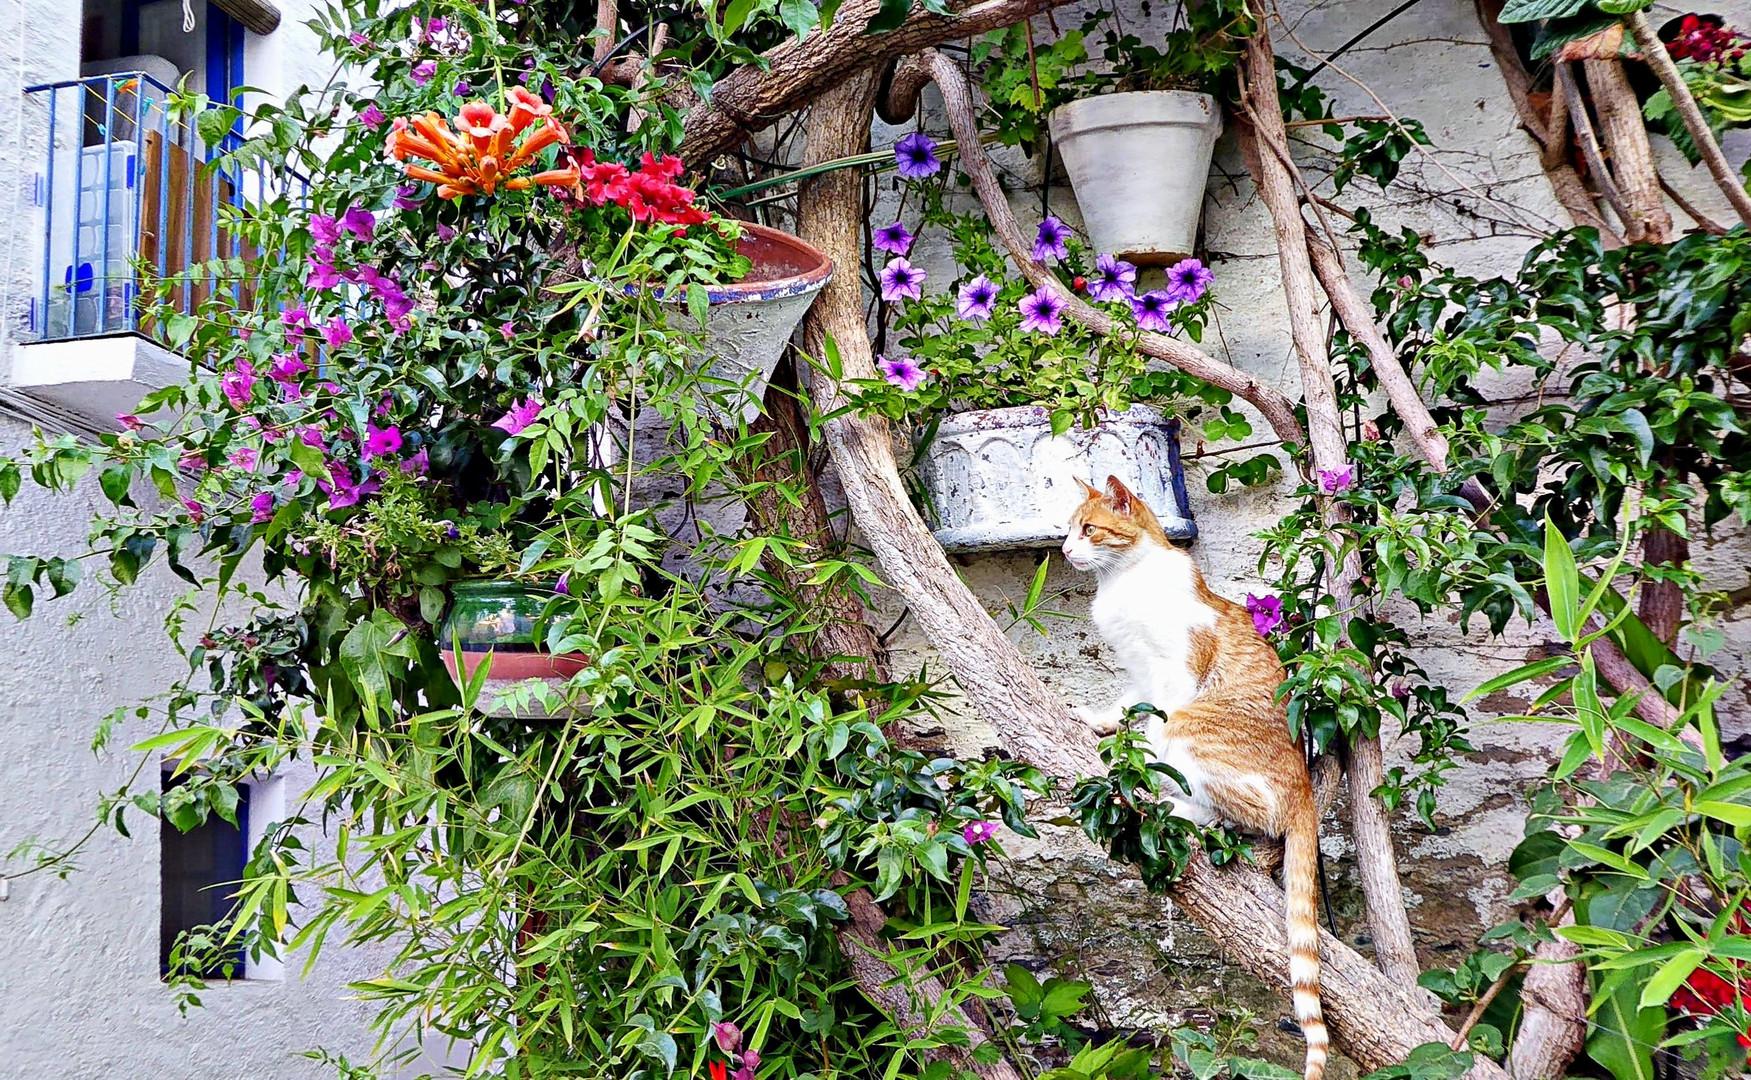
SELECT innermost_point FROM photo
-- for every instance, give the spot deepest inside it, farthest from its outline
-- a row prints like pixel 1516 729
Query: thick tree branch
pixel 1632 157
pixel 1654 51
pixel 794 74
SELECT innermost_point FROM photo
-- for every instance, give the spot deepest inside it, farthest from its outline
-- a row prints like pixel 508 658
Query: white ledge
pixel 93 378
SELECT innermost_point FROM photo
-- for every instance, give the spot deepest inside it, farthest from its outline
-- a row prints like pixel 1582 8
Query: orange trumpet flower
pixel 476 152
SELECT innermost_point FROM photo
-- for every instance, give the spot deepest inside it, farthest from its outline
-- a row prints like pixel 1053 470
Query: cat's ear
pixel 1119 495
pixel 1089 491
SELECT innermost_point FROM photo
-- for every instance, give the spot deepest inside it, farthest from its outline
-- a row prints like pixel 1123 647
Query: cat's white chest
pixel 1146 614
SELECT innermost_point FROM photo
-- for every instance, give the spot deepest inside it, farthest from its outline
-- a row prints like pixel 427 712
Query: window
pixel 199 873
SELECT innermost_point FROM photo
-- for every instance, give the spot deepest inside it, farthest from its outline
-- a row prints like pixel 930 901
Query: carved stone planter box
pixel 998 478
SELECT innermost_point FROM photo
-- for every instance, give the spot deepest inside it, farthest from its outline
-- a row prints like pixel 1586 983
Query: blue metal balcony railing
pixel 130 195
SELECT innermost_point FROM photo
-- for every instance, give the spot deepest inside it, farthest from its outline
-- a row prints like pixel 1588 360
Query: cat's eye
pixel 1087 530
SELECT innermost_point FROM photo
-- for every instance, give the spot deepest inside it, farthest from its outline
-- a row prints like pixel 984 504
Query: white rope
pixel 188 16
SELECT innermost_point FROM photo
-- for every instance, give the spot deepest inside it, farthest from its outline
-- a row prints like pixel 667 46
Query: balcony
pixel 129 197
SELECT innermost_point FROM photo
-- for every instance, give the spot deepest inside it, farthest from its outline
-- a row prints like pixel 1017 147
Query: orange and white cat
pixel 1196 657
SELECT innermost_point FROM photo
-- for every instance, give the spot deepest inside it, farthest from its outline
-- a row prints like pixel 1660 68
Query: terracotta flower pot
pixel 497 619
pixel 751 321
pixel 1138 163
pixel 999 479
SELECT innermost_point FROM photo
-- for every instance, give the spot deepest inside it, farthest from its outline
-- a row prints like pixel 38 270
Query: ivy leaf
pixel 10 480
pixel 891 14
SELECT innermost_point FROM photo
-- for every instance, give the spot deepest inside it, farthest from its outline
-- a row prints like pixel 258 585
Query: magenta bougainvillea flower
pixel 381 441
pixel 337 332
pixel 978 832
pixel 1151 310
pixel 238 384
pixel 894 239
pixel 1267 613
pixel 1187 281
pixel 916 156
pixel 507 330
pixel 1114 280
pixel 245 458
pixel 345 493
pixel 978 299
pixel 295 319
pixel 359 221
pixel 372 117
pixel 1332 481
pixel 325 230
pixel 287 367
pixel 423 71
pixel 323 275
pixel 263 507
pixel 130 421
pixel 1052 241
pixel 902 371
pixel 900 279
pixel 1041 311
pixel 196 512
pixel 522 414
pixel 728 1036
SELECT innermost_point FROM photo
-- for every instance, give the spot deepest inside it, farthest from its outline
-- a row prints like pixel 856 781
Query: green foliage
pixel 1128 812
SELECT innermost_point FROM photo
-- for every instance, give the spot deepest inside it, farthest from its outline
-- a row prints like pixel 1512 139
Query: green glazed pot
pixel 499 617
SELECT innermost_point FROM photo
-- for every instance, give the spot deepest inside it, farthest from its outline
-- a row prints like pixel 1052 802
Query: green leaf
pixel 799 16
pixel 1732 813
pixel 1524 673
pixel 10 479
pixel 1531 10
pixel 1623 1034
pixel 1561 581
pixel 1672 973
pixel 891 14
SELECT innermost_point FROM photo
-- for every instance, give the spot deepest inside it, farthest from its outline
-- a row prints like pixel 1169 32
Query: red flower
pixel 718 1071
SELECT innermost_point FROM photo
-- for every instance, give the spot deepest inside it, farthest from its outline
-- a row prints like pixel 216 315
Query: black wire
pixel 596 69
pixel 1353 42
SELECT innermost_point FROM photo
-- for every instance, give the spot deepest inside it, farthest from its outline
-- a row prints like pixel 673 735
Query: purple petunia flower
pixel 1332 481
pixel 407 196
pixel 238 385
pixel 916 156
pixel 1151 310
pixel 337 332
pixel 564 584
pixel 1051 242
pixel 263 505
pixel 978 299
pixel 1267 613
pixel 372 117
pixel 894 239
pixel 445 232
pixel 463 88
pixel 978 832
pixel 522 414
pixel 435 25
pixel 423 71
pixel 381 441
pixel 901 279
pixel 1041 311
pixel 902 371
pixel 359 221
pixel 1114 280
pixel 325 230
pixel 1187 280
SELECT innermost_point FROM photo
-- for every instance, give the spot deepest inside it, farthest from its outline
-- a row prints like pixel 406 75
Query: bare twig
pixel 1565 80
pixel 1703 221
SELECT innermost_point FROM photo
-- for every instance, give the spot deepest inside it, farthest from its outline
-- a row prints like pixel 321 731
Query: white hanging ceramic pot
pixel 999 479
pixel 751 321
pixel 1138 163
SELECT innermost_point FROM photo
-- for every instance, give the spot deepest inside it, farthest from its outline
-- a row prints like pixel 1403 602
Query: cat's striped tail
pixel 1301 884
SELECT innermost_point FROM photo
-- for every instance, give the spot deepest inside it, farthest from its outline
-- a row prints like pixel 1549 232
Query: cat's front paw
pixel 1101 722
